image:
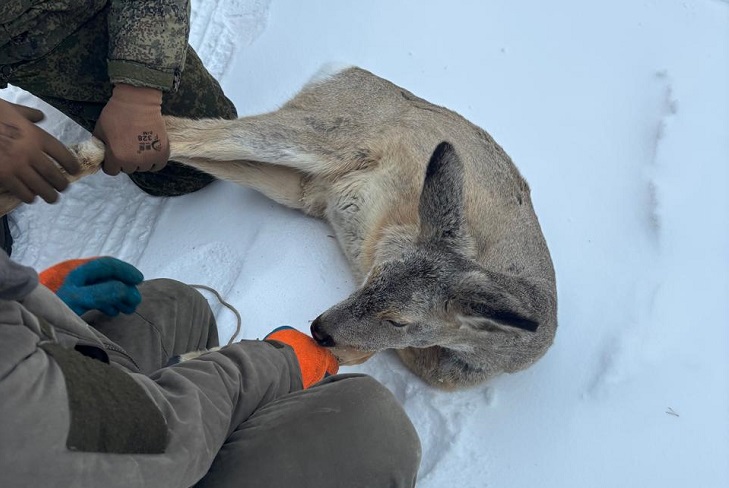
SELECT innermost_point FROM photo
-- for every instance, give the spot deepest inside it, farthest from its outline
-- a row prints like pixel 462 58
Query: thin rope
pixel 226 305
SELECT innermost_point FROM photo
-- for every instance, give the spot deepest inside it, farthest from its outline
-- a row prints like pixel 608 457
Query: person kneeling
pixel 89 400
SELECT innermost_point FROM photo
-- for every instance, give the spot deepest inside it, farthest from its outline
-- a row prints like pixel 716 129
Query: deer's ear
pixel 482 315
pixel 483 303
pixel 441 202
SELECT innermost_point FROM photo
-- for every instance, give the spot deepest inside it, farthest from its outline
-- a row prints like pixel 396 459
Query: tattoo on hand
pixel 148 141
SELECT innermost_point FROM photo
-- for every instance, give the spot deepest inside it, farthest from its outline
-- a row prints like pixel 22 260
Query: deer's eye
pixel 394 324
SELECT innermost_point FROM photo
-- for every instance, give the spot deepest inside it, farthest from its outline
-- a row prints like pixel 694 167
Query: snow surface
pixel 617 113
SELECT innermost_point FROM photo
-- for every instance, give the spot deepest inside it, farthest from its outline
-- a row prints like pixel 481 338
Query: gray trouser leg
pixel 347 431
pixel 172 319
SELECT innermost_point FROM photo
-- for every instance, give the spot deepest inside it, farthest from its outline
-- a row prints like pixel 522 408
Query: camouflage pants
pixel 73 78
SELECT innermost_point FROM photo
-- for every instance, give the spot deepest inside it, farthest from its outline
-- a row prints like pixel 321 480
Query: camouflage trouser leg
pixel 73 78
pixel 198 96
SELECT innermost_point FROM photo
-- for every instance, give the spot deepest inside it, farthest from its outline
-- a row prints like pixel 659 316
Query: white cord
pixel 228 306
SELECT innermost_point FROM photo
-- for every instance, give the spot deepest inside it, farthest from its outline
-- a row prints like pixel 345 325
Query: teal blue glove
pixel 105 284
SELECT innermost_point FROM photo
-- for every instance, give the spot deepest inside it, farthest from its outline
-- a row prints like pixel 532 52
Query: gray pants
pixel 347 431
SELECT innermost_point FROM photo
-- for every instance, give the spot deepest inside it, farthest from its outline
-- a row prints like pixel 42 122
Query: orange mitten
pixel 103 283
pixel 315 362
pixel 54 276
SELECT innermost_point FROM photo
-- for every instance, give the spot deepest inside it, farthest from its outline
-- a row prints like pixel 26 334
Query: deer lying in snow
pixel 433 216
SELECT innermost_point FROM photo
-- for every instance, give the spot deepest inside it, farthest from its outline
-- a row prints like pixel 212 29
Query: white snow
pixel 617 113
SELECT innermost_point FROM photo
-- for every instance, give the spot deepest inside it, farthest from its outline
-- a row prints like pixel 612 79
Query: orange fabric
pixel 315 361
pixel 54 276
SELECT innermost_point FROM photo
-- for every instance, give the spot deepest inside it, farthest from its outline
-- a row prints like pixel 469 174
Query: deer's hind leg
pixel 327 131
pixel 307 141
pixel 331 127
pixel 282 184
pixel 288 155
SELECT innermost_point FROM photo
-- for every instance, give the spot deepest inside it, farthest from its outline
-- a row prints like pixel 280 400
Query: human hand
pixel 133 130
pixel 315 362
pixel 106 284
pixel 26 167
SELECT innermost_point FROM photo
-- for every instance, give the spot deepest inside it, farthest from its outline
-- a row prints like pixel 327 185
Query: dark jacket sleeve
pixel 148 42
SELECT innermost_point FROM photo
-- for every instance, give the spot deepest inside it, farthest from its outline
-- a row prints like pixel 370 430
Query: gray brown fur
pixel 455 271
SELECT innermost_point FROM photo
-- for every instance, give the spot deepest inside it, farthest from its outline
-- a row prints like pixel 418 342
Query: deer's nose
pixel 321 337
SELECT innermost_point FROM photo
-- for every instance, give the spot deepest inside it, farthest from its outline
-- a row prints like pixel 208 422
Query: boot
pixel 173 180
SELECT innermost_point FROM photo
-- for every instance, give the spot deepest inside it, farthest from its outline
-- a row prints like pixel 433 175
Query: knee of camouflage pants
pixel 198 96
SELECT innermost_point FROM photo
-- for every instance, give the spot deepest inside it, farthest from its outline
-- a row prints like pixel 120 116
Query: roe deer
pixel 433 216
